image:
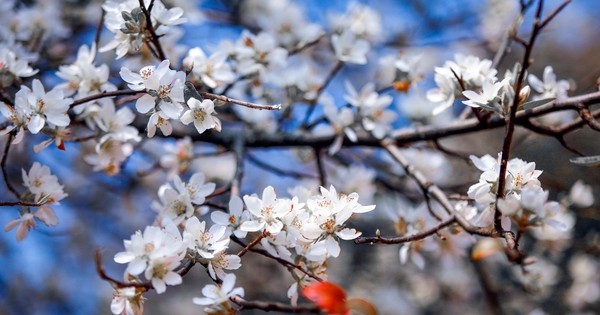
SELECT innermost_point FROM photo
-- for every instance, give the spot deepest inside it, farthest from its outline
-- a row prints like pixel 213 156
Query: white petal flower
pixel 215 294
pixel 202 114
pixel 349 49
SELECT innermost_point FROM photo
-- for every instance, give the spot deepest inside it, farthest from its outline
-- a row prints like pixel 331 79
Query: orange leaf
pixel 328 296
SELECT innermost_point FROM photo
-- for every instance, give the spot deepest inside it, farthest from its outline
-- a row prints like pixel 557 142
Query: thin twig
pixel 18 203
pixel 278 259
pixel 409 238
pixel 238 102
pixel 99 28
pixel 3 166
pixel 253 243
pixel 103 95
pixel 275 170
pixel 154 38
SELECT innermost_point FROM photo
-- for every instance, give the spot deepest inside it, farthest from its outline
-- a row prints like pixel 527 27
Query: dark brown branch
pixel 274 306
pixel 506 146
pixel 280 260
pixel 18 203
pixel 275 170
pixel 238 150
pixel 338 66
pixel 99 28
pixel 253 243
pixel 320 168
pixel 103 95
pixel 150 28
pixel 115 282
pixel 409 238
pixel 3 166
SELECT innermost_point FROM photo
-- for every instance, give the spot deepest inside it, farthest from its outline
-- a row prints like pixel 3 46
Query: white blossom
pixel 41 107
pixel 349 49
pixel 218 294
pixel 202 114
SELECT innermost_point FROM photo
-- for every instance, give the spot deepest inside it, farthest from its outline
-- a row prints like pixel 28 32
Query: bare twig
pixel 238 102
pixel 103 95
pixel 150 28
pixel 274 306
pixel 409 238
pixel 3 166
pixel 253 243
pixel 18 203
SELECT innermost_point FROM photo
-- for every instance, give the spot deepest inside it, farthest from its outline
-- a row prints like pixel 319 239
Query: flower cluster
pixel 13 67
pixel 464 73
pixel 34 108
pixel 177 201
pixel 372 108
pixel 164 97
pixel 525 202
pixel 129 23
pixel 305 231
pixel 44 189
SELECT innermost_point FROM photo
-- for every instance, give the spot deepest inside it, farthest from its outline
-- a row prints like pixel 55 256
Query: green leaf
pixel 533 104
pixel 589 161
pixel 189 91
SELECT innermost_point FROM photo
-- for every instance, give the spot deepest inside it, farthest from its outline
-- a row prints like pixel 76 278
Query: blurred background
pixel 52 271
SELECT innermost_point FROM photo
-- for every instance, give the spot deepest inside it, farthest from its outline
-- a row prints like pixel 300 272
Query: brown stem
pixel 238 102
pixel 3 166
pixel 150 28
pixel 274 306
pixel 409 238
pixel 103 95
pixel 253 243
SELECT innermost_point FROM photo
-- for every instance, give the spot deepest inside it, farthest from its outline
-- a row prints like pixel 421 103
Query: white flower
pixel 109 154
pixel 470 70
pixel 221 262
pixel 126 20
pixel 178 158
pixel 174 205
pixel 154 243
pixel 340 119
pixel 164 16
pixel 361 20
pixel 205 242
pixel 202 114
pixel 17 119
pixel 372 108
pixel 116 123
pixel 85 78
pixel 218 294
pixel 42 107
pixel 488 99
pixel 161 120
pixel 213 71
pixel 11 63
pixel 234 219
pixel 27 221
pixel 160 272
pixel 163 85
pixel 126 300
pixel 581 195
pixel 196 188
pixel 549 88
pixel 349 49
pixel 43 185
pixel 267 212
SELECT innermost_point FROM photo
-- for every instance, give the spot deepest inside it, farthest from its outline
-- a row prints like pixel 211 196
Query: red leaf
pixel 328 296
